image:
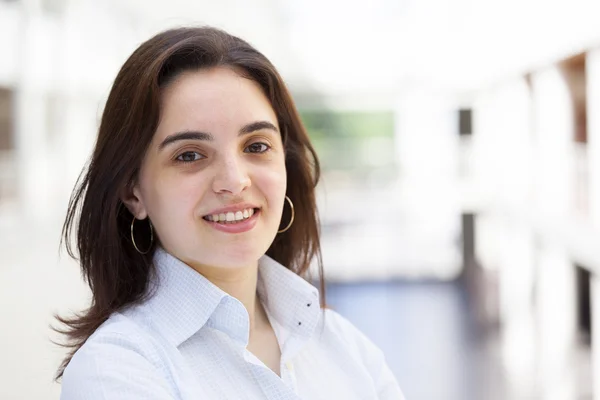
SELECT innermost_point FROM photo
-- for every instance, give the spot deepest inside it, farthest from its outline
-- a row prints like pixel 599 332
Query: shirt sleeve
pixel 373 359
pixel 112 367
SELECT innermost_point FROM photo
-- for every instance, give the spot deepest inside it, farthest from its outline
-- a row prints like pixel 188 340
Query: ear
pixel 132 197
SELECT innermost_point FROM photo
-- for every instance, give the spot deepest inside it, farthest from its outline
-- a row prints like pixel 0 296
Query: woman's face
pixel 213 180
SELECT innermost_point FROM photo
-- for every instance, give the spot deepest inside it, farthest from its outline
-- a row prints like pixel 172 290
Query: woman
pixel 198 222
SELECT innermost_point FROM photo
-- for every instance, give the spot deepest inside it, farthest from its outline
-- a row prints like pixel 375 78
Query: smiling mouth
pixel 231 217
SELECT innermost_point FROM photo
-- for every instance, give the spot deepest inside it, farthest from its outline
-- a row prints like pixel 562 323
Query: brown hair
pixel 116 273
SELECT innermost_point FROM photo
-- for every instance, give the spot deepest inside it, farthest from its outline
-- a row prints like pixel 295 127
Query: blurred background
pixel 460 200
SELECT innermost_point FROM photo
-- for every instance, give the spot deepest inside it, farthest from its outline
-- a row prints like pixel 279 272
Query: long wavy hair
pixel 98 223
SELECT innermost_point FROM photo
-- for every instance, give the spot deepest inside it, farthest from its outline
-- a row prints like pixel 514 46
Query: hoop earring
pixel 151 237
pixel 293 216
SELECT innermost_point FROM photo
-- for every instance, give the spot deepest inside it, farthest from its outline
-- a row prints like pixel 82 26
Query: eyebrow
pixel 258 126
pixel 197 135
pixel 187 135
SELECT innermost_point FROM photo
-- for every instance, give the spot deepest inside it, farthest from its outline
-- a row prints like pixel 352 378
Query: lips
pixel 233 213
pixel 233 220
pixel 231 217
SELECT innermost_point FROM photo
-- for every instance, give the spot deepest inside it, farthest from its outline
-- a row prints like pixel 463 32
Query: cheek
pixel 273 184
pixel 174 198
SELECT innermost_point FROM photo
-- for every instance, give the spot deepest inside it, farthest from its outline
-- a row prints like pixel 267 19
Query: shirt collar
pixel 288 298
pixel 183 301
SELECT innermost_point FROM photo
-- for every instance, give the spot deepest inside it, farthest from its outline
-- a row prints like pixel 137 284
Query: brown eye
pixel 257 148
pixel 189 156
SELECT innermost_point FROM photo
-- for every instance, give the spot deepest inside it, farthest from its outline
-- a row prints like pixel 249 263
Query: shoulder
pixel 346 332
pixel 342 332
pixel 117 361
pixel 336 321
pixel 119 334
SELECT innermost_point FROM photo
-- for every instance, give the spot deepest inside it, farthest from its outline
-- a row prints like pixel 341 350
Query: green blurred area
pixel 351 140
pixel 348 124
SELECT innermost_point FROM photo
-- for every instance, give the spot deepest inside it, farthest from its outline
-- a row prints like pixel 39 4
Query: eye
pixel 257 147
pixel 189 156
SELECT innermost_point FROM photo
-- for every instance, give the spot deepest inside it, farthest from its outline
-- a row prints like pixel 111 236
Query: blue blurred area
pixel 427 333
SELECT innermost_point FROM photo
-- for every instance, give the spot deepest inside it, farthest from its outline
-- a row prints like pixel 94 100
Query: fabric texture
pixel 188 341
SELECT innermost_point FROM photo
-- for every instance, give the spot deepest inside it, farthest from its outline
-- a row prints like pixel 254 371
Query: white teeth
pixel 231 217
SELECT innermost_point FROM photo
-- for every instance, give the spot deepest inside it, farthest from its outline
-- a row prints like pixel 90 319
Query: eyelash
pixel 178 158
pixel 200 156
pixel 267 148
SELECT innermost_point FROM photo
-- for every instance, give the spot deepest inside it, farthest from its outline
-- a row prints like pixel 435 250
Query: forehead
pixel 212 100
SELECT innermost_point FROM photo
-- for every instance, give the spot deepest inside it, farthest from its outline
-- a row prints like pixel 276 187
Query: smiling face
pixel 213 180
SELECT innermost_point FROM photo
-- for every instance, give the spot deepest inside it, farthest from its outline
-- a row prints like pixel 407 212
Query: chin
pixel 232 258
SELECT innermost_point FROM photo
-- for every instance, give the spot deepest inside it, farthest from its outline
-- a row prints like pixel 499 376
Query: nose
pixel 231 176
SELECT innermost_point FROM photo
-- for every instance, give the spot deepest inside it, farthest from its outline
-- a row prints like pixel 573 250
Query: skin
pixel 182 181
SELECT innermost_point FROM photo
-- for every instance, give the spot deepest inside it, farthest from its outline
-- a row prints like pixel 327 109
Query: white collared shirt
pixel 188 341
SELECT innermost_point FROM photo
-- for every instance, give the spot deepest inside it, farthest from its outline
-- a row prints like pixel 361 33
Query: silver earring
pixel 293 216
pixel 151 237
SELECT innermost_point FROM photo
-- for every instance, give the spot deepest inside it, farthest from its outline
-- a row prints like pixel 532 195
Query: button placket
pixel 289 367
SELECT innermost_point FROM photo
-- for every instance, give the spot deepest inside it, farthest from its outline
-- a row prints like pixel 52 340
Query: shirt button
pixel 289 365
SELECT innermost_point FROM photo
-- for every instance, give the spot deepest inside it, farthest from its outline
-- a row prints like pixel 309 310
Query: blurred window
pixel 465 122
pixel 7 175
pixel 6 120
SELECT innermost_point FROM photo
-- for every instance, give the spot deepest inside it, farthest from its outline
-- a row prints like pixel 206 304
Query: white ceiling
pixel 381 47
